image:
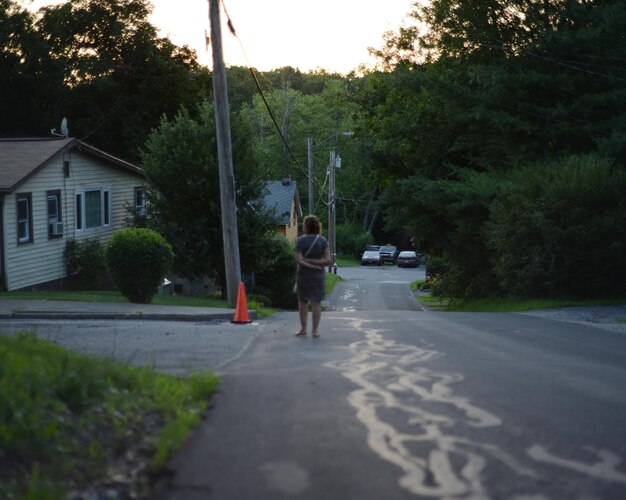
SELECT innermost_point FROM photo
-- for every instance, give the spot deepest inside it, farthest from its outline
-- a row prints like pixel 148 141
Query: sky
pixel 305 34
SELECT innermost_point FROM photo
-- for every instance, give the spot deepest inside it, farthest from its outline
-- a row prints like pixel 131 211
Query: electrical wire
pixel 231 27
pixel 574 65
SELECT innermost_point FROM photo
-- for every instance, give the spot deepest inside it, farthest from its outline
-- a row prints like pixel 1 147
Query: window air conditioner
pixel 56 228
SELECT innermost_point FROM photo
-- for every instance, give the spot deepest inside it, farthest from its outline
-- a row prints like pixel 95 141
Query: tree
pixel 31 81
pixel 516 80
pixel 101 64
pixel 180 163
pixel 487 89
pixel 558 229
pixel 321 117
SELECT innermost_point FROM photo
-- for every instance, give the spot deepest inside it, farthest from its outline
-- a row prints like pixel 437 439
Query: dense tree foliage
pixel 180 163
pixel 322 117
pixel 559 229
pixel 472 140
pixel 472 95
pixel 99 63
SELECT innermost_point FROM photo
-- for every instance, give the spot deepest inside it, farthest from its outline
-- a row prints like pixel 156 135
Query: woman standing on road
pixel 312 255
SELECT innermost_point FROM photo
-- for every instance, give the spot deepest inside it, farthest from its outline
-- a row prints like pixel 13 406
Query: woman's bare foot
pixel 301 333
pixel 315 335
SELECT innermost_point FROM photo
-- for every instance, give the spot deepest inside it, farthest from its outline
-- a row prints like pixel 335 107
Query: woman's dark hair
pixel 312 225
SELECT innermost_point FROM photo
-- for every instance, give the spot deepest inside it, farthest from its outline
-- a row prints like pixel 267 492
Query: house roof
pixel 279 195
pixel 22 158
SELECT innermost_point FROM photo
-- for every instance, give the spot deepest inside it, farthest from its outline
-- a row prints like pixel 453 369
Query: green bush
pixel 447 218
pixel 86 260
pixel 436 268
pixel 138 259
pixel 275 273
pixel 262 300
pixel 351 240
pixel 559 230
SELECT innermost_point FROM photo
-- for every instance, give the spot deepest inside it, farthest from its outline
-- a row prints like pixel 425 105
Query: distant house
pixel 52 190
pixel 282 196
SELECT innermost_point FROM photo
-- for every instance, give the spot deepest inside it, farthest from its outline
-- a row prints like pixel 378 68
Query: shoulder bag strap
pixel 312 245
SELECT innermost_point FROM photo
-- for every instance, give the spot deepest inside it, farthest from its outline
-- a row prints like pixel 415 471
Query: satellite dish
pixel 64 131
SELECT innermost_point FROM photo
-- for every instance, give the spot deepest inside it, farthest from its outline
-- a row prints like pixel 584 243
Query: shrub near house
pixel 52 191
pixel 138 259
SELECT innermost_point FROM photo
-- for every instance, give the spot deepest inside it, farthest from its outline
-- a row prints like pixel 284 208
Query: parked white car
pixel 407 258
pixel 371 257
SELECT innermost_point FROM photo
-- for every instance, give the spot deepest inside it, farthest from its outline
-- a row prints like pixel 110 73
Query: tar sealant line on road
pixel 375 362
pixel 392 376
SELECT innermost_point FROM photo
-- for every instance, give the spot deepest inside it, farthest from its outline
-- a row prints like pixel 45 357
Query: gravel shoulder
pixel 606 317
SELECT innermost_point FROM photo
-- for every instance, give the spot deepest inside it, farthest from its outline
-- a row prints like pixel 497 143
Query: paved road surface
pixel 403 405
pixel 392 402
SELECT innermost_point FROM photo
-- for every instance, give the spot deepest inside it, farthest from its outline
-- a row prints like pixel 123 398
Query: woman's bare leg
pixel 303 311
pixel 316 308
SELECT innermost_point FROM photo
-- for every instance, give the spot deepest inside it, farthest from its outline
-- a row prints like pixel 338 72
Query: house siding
pixel 291 230
pixel 41 260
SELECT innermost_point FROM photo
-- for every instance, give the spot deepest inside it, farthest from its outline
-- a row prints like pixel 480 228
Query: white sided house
pixel 52 190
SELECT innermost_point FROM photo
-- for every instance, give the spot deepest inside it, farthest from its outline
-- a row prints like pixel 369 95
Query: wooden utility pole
pixel 230 233
pixel 331 209
pixel 309 147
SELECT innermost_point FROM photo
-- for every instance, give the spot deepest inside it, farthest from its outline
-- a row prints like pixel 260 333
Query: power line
pixel 231 27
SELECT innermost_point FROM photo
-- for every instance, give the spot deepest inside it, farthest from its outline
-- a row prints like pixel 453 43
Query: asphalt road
pixel 373 288
pixel 416 405
pixel 392 402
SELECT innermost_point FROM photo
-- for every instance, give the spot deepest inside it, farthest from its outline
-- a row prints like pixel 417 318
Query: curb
pixel 123 316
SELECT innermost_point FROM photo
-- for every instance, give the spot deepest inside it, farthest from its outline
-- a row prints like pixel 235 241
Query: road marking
pixel 605 468
pixel 435 462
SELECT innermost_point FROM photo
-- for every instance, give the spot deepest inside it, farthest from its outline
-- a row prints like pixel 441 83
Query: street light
pixel 310 148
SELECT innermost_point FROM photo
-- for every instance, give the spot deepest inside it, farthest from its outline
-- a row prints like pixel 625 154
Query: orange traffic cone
pixel 241 311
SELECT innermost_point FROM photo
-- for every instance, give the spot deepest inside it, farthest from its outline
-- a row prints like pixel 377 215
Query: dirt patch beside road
pixel 606 317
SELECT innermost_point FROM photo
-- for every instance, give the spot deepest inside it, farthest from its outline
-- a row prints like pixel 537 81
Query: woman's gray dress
pixel 311 283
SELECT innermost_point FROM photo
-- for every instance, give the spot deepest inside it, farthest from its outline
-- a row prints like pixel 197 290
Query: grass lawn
pixel 108 296
pixel 159 299
pixel 69 422
pixel 347 262
pixel 521 305
pixel 331 282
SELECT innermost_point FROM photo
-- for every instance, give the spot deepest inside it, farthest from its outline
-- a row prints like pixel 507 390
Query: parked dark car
pixel 388 254
pixel 407 258
pixel 371 257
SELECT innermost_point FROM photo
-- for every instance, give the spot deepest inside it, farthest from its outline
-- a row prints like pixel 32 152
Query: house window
pixel 93 208
pixel 79 211
pixel 140 201
pixel 55 229
pixel 24 218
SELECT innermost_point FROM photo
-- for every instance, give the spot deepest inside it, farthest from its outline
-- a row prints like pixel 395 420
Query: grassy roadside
pixel 69 423
pixel 116 297
pixel 347 262
pixel 159 299
pixel 331 282
pixel 503 305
